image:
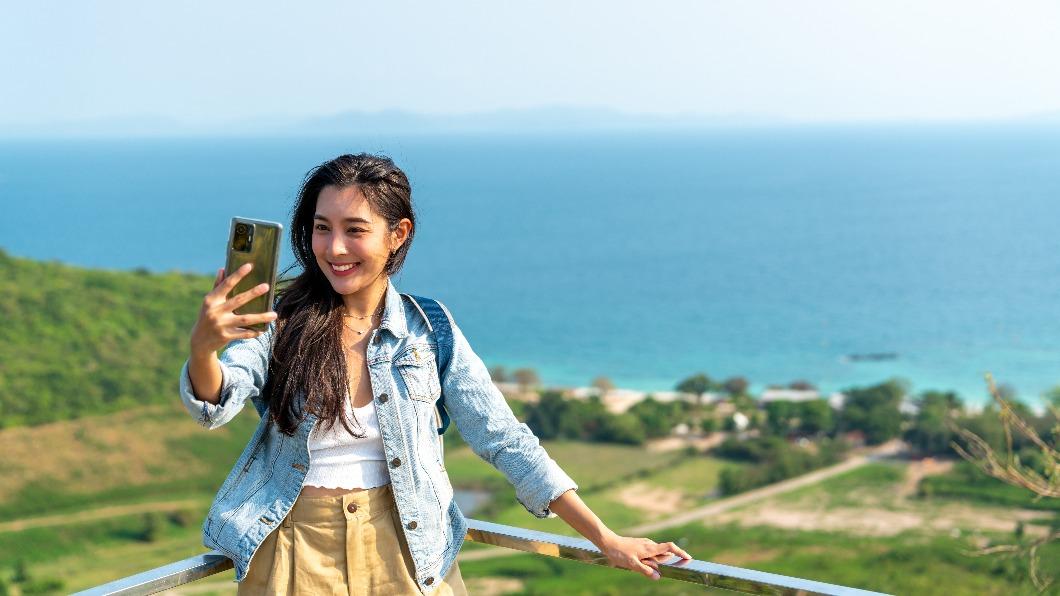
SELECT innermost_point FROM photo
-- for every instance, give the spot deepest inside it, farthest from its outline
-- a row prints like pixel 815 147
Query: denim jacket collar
pixel 394 319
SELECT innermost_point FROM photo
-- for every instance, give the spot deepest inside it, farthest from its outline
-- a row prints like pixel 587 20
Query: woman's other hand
pixel 642 555
pixel 638 554
pixel 217 324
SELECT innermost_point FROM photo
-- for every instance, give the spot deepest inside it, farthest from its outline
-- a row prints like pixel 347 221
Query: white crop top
pixel 337 459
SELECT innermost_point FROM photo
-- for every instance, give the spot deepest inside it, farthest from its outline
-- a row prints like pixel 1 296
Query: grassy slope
pixel 87 554
pixel 81 341
pixel 142 454
pixel 155 453
pixel 966 483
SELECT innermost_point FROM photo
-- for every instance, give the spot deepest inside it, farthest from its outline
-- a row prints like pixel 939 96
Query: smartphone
pixel 258 242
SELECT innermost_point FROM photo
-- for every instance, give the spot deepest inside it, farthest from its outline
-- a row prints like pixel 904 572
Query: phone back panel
pixel 258 242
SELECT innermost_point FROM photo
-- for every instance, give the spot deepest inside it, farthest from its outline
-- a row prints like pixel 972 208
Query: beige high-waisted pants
pixel 349 544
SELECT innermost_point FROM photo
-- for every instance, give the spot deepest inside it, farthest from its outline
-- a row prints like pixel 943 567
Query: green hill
pixel 87 341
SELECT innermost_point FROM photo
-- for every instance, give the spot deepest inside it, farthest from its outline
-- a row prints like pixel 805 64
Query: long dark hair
pixel 307 356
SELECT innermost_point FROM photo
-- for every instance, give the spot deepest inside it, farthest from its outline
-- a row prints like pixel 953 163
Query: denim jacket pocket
pixel 419 372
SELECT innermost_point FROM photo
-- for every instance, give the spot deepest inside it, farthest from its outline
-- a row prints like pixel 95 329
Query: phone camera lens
pixel 241 228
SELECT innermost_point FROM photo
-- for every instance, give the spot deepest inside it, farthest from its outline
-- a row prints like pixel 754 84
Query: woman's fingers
pixel 242 298
pixel 229 283
pixel 643 555
pixel 241 333
pixel 677 550
pixel 239 321
pixel 645 570
pixel 219 277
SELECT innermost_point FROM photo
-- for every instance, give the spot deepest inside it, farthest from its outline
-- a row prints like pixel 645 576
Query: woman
pixel 343 487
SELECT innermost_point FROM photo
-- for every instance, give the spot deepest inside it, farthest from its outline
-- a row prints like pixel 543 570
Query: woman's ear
pixel 400 233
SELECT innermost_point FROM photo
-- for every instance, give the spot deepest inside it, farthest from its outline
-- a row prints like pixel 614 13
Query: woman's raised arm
pixel 209 384
pixel 216 326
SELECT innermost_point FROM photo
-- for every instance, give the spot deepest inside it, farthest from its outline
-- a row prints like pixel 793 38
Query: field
pixel 94 499
pixel 99 498
pixel 843 530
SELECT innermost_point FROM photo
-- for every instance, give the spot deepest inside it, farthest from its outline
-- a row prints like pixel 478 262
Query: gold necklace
pixel 382 305
pixel 357 331
pixel 361 318
pixel 377 313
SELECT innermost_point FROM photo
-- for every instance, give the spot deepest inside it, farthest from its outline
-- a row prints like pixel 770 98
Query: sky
pixel 212 63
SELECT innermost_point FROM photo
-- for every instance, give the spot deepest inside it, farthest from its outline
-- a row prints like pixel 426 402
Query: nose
pixel 337 245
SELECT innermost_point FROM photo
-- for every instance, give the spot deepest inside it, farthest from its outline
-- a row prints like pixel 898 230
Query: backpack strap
pixel 442 328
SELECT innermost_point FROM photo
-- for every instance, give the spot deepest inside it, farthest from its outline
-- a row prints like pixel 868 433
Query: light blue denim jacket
pixel 267 478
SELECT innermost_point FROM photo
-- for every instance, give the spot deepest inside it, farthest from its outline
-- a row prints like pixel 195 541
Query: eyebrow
pixel 347 220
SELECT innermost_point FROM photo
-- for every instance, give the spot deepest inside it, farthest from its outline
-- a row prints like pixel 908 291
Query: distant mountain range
pixel 553 119
pixel 547 119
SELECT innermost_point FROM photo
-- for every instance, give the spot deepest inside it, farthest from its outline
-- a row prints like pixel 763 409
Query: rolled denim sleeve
pixel 489 427
pixel 244 369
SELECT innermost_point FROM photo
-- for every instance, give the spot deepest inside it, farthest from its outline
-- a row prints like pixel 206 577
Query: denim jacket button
pixel 395 462
pixel 383 397
pixel 352 508
pixel 411 525
pixel 428 581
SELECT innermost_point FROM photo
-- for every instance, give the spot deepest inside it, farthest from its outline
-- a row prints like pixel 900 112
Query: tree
pixel 874 411
pixel 1042 477
pixel 745 403
pixel 20 573
pixel 153 523
pixel 735 386
pixel 499 374
pixel 697 385
pixel 801 385
pixel 817 417
pixel 603 385
pixel 781 417
pixel 526 378
pixel 658 418
pixel 931 432
pixel 546 416
pixel 623 428
pixel 1052 397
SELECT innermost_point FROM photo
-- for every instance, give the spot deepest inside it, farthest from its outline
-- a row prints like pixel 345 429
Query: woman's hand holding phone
pixel 217 324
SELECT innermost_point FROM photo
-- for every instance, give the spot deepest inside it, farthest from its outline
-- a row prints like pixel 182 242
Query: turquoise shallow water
pixel 770 254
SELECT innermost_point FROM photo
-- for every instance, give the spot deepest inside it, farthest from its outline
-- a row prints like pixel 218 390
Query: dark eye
pixel 356 230
pixel 320 227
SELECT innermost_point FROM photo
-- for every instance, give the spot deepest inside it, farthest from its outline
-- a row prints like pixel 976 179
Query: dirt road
pixel 722 505
pixel 65 519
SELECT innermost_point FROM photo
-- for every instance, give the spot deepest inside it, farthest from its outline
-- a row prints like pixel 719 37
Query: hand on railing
pixel 636 554
pixel 642 555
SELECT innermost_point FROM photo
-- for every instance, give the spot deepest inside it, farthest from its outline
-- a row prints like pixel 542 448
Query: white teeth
pixel 342 267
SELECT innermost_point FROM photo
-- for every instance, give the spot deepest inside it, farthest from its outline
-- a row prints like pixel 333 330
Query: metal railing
pixel 542 543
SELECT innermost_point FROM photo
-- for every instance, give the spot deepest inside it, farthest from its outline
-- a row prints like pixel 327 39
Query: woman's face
pixel 351 241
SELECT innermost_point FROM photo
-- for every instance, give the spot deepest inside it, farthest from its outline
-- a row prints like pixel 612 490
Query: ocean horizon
pixel 775 254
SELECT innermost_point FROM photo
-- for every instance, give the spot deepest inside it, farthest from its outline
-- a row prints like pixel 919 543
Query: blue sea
pixel 768 253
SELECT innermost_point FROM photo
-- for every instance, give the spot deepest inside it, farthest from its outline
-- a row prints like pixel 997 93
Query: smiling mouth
pixel 343 268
